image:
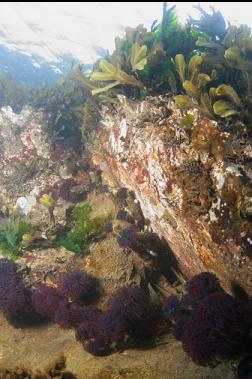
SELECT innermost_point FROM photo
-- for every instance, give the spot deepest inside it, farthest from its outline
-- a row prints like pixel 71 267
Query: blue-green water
pixel 33 70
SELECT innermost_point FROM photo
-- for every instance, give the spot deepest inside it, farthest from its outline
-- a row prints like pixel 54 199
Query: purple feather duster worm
pixel 77 286
pixel 172 307
pixel 45 300
pixel 216 330
pixel 202 285
pixel 129 303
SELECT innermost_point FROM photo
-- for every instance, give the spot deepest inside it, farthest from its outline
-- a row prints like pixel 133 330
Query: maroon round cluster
pixel 77 286
pixel 66 304
pixel 15 299
pixel 101 333
pixel 129 303
pixel 45 300
pixel 217 330
pixel 211 324
pixel 128 312
pixel 12 291
pixel 172 307
pixel 127 237
pixel 126 308
pixel 66 191
pixel 202 285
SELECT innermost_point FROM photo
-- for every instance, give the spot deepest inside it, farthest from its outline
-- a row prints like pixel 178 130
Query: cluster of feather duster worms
pixel 70 303
pixel 211 324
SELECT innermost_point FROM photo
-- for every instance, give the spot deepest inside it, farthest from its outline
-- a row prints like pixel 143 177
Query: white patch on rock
pixel 25 204
pixel 233 170
pixel 214 207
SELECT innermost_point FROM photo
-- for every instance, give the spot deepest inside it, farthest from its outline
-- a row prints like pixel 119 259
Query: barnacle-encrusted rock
pixel 193 183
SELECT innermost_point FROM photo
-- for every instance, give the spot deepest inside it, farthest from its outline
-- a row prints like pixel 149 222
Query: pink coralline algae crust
pixel 192 196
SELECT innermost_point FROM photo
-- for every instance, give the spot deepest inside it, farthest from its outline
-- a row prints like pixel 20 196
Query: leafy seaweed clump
pixel 84 229
pixel 63 103
pixel 220 85
pixel 222 101
pixel 11 237
pixel 141 61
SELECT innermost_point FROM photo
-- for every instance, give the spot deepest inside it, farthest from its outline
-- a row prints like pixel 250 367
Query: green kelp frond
pixel 84 229
pixel 210 101
pixel 11 237
pixel 109 72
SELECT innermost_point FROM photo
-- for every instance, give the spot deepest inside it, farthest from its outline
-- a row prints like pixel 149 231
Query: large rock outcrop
pixel 193 181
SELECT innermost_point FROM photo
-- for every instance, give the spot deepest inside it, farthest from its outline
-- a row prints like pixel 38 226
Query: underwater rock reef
pixel 193 184
pixel 127 208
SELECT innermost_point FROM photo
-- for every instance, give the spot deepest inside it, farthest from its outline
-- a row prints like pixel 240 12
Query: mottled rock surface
pixel 194 186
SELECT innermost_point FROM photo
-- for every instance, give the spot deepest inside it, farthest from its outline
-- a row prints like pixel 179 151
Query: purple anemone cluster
pixel 67 304
pixel 78 287
pixel 127 237
pixel 202 285
pixel 15 299
pixel 211 324
pixel 112 327
pixel 12 290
